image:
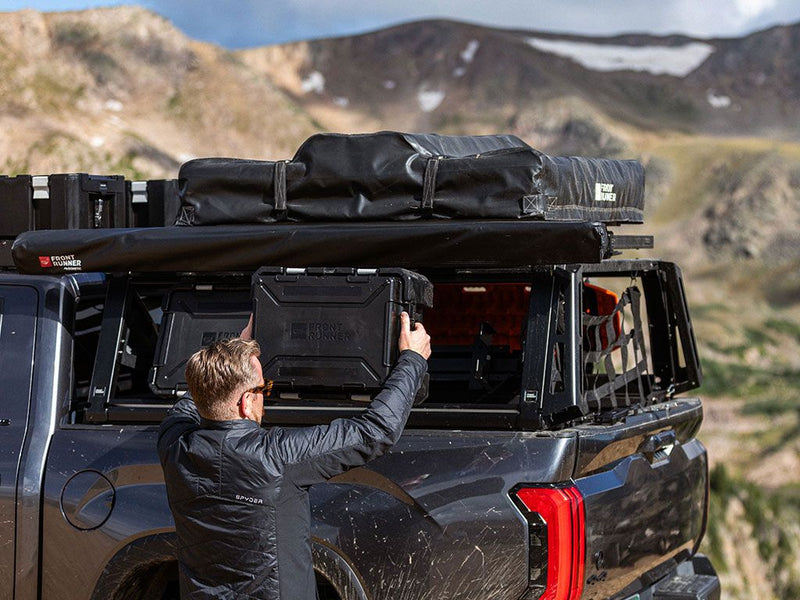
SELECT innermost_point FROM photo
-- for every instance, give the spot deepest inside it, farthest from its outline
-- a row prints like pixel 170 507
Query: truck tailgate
pixel 644 485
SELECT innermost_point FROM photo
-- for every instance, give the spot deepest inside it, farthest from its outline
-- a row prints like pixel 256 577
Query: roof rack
pixel 415 200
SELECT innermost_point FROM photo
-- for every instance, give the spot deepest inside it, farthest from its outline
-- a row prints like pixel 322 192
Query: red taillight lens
pixel 557 535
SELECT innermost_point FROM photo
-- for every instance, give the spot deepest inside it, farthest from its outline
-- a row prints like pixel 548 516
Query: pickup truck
pixel 555 456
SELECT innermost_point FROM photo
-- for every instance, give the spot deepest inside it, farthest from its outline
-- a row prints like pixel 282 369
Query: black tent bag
pixel 391 176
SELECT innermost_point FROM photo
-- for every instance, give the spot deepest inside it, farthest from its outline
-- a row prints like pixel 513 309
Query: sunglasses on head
pixel 265 388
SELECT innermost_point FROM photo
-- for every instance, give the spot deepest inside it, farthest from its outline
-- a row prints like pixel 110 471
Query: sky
pixel 248 23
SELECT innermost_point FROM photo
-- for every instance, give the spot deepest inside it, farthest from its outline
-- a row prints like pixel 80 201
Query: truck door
pixel 18 307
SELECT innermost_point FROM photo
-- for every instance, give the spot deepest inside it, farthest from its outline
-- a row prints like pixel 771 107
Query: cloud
pixel 750 9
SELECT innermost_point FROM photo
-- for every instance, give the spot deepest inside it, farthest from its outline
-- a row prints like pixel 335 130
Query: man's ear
pixel 245 407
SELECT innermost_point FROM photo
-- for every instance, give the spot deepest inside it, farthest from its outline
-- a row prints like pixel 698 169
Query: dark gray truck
pixel 554 457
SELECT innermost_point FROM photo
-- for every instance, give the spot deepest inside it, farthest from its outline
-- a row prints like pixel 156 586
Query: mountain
pixel 121 90
pixel 445 75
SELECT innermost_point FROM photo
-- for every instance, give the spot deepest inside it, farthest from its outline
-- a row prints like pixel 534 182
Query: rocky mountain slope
pixel 444 75
pixel 715 122
pixel 122 90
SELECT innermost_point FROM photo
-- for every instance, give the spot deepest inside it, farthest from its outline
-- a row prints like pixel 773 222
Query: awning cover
pixel 422 245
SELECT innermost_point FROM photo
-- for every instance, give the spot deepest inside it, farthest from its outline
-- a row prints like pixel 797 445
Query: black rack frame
pixel 540 405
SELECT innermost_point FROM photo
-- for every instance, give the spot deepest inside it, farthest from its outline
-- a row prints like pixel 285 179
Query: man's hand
pixel 417 340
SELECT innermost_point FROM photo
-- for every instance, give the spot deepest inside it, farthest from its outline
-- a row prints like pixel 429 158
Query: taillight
pixel 556 534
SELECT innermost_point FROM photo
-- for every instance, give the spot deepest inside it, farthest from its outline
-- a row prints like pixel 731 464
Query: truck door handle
pixel 662 441
pixel 4 422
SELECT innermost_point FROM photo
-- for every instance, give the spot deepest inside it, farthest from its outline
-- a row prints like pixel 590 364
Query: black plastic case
pixel 333 330
pixel 154 203
pixel 193 318
pixel 82 201
pixel 16 206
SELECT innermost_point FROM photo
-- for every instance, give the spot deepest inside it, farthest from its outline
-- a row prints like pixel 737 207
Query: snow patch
pixel 113 105
pixel 341 101
pixel 658 60
pixel 718 101
pixel 429 100
pixel 459 71
pixel 389 84
pixel 315 82
pixel 97 142
pixel 468 53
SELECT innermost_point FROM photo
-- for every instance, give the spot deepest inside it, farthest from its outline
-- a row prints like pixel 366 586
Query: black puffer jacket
pixel 239 492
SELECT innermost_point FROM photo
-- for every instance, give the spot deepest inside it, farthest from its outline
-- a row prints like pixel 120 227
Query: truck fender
pixel 146 568
pixel 337 571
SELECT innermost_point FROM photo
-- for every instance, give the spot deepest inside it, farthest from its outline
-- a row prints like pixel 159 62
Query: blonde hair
pixel 215 373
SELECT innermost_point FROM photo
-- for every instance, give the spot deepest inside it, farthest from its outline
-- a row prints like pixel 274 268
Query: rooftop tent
pixel 400 176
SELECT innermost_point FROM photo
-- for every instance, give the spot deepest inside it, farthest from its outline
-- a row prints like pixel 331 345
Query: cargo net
pixel 615 358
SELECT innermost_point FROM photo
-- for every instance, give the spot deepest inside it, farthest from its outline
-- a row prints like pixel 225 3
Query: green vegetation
pixel 764 389
pixel 784 326
pixel 706 168
pixel 707 311
pixel 53 93
pixel 784 290
pixel 101 64
pixel 15 166
pixel 76 35
pixel 88 45
pixel 773 516
pixel 124 165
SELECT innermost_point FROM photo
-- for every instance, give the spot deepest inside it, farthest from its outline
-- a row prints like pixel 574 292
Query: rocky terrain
pixel 715 122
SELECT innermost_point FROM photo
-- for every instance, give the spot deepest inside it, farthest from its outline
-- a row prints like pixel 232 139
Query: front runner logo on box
pixel 604 192
pixel 68 262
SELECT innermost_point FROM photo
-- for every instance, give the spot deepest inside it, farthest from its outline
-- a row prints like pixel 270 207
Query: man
pixel 239 493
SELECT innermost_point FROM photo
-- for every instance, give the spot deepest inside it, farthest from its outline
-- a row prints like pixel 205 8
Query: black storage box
pixel 193 318
pixel 154 203
pixel 333 330
pixel 82 201
pixel 16 206
pixel 62 201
